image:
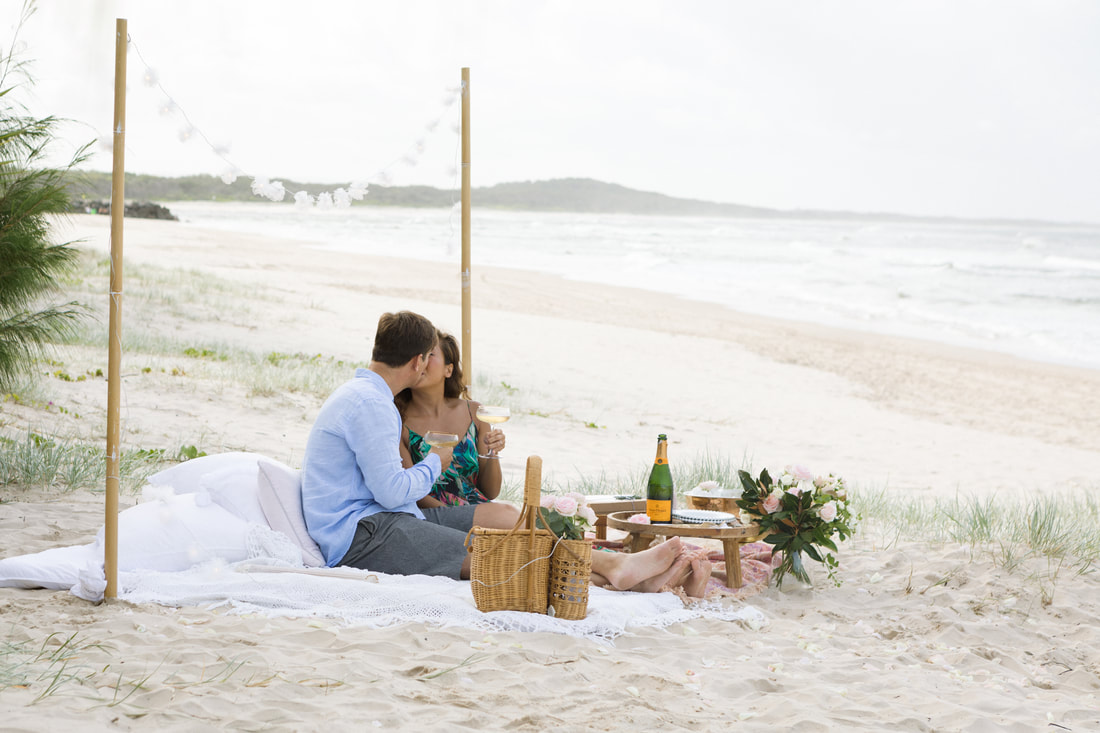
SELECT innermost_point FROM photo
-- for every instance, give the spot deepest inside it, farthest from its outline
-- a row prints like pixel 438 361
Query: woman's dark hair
pixel 453 386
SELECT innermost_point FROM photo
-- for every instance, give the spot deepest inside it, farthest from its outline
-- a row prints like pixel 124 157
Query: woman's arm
pixel 488 469
pixel 428 502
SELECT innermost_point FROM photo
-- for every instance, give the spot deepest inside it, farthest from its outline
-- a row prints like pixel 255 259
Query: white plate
pixel 699 516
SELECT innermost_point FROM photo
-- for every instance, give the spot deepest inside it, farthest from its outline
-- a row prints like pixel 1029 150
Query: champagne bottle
pixel 658 498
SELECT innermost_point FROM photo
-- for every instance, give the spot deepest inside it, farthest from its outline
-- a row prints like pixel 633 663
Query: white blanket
pixel 395 599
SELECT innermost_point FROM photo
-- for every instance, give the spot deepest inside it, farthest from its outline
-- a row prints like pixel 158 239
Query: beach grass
pixel 58 663
pixel 1062 528
pixel 32 460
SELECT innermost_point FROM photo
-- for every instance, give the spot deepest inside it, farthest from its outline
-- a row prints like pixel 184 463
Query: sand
pixel 918 637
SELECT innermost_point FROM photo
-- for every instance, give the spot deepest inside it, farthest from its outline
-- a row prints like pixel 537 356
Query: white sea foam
pixel 1030 290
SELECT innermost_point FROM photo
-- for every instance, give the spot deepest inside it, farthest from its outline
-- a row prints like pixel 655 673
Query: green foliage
pixel 189 452
pixel 30 193
pixel 798 516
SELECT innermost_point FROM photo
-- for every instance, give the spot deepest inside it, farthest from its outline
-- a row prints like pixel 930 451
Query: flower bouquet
pixel 568 517
pixel 800 513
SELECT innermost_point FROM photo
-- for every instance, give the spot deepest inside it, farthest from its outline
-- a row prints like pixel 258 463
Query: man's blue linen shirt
pixel 352 465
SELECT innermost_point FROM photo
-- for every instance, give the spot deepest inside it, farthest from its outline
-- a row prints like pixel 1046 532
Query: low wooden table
pixel 641 535
pixel 604 505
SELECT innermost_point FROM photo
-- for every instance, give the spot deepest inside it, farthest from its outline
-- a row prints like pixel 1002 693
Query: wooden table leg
pixel 601 527
pixel 638 543
pixel 732 551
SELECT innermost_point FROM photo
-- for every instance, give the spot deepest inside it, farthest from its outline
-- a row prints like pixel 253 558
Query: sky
pixel 972 108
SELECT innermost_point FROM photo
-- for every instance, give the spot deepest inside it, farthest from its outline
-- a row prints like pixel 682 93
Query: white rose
pixel 827 512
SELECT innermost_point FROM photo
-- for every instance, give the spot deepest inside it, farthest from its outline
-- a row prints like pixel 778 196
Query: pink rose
pixel 565 506
pixel 639 518
pixel 827 512
pixel 771 504
pixel 800 472
pixel 547 501
pixel 588 513
pixel 579 498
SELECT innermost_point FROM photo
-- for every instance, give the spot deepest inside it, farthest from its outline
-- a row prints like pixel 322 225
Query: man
pixel 359 503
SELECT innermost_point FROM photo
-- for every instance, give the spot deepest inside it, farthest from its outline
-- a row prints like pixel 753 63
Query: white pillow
pixel 281 498
pixel 177 533
pixel 56 569
pixel 235 488
pixel 184 478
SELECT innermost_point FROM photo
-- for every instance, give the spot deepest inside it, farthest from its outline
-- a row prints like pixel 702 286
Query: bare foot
pixel 696 583
pixel 670 578
pixel 627 571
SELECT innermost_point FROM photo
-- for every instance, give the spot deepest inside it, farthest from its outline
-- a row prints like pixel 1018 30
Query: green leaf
pixel 765 479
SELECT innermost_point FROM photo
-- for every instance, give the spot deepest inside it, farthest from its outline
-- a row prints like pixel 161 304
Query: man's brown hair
pixel 401 337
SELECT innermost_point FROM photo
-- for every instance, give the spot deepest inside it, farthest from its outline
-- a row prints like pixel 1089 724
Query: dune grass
pixel 33 460
pixel 61 665
pixel 1065 528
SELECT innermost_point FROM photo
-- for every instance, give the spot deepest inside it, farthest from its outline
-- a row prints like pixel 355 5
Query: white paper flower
pixel 272 190
pixel 303 200
pixel 341 198
pixel 357 191
pixel 229 176
pixel 708 487
pixel 324 200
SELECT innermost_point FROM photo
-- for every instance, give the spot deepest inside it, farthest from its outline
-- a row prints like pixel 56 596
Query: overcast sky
pixel 956 107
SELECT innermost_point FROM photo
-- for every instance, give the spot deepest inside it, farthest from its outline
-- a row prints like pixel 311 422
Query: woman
pixel 438 402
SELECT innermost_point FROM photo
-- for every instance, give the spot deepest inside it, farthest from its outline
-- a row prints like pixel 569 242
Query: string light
pixel 275 190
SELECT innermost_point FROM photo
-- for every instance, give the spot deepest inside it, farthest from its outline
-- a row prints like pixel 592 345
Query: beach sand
pixel 918 637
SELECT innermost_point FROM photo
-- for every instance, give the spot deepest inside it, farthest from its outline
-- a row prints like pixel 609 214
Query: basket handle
pixel 532 486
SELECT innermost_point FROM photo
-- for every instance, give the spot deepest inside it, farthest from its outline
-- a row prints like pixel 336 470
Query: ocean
pixel 1027 289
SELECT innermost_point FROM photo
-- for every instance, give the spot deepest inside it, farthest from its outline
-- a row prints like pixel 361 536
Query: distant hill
pixel 562 194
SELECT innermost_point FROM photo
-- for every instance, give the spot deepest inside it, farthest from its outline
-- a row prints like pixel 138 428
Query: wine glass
pixel 492 414
pixel 437 439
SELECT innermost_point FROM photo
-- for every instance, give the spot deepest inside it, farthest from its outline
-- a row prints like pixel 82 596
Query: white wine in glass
pixel 437 439
pixel 492 414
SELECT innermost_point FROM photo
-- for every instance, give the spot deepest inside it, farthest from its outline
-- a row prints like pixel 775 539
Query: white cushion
pixel 280 495
pixel 167 535
pixel 235 489
pixel 184 478
pixel 177 533
pixel 56 569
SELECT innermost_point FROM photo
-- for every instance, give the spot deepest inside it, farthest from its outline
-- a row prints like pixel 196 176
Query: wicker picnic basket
pixel 570 572
pixel 510 568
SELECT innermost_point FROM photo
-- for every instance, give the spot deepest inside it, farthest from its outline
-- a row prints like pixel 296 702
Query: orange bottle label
pixel 658 511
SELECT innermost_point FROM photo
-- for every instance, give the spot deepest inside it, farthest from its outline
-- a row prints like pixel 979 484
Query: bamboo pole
pixel 114 337
pixel 467 371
